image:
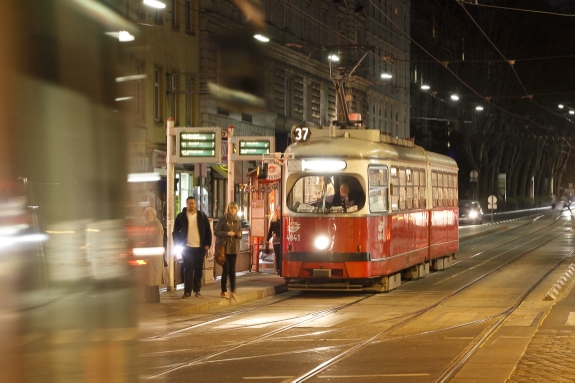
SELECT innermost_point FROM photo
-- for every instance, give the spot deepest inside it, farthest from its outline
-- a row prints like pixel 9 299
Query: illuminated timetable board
pixel 252 148
pixel 198 145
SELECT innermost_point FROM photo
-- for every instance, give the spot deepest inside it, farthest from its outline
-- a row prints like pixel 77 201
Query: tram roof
pixel 357 148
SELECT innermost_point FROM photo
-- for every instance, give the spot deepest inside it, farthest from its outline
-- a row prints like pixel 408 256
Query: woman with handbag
pixel 275 233
pixel 229 233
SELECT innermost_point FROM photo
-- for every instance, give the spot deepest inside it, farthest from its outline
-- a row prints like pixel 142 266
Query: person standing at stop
pixel 192 231
pixel 229 232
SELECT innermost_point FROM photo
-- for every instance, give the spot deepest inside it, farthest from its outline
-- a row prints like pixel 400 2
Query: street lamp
pixel 454 97
pixel 386 76
pixel 155 4
pixel 560 106
pixel 572 112
pixel 479 108
pixel 425 87
pixel 334 58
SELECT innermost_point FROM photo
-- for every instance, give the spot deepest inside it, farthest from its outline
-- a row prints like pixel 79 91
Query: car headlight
pixel 321 242
pixel 473 214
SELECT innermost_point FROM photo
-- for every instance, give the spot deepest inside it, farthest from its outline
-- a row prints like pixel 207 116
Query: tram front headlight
pixel 321 242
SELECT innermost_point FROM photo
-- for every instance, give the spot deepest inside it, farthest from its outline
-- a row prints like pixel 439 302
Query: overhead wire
pixel 517 9
pixel 511 63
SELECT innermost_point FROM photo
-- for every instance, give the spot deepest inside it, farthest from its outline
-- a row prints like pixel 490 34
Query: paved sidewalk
pixel 550 355
pixel 250 287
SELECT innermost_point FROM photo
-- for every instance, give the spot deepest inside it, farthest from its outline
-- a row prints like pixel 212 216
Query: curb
pixel 558 286
pixel 223 303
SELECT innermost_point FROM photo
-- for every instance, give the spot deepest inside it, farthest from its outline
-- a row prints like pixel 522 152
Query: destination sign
pixel 198 145
pixel 252 148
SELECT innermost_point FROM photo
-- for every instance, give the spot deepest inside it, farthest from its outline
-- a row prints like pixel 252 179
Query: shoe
pixel 186 295
pixel 234 297
pixel 224 295
pixel 198 294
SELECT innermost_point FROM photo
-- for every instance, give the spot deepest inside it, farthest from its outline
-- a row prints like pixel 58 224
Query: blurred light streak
pixel 147 251
pixel 131 78
pixel 143 177
pixel 155 4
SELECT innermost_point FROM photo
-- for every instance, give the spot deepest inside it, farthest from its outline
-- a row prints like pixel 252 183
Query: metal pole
pixel 170 137
pixel 231 188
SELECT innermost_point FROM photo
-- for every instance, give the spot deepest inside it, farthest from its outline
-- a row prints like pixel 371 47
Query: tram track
pixel 305 318
pixel 407 318
pixel 217 318
pixel 452 369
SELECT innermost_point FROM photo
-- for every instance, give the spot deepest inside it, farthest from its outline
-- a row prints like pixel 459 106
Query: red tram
pixel 363 209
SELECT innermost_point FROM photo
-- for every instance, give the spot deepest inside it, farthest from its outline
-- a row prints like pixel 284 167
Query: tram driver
pixel 345 198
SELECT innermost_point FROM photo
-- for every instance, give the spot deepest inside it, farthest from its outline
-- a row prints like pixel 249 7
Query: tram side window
pixel 455 190
pixel 450 195
pixel 422 189
pixel 378 184
pixel 434 191
pixel 402 189
pixel 416 188
pixel 395 186
pixel 440 192
pixel 409 197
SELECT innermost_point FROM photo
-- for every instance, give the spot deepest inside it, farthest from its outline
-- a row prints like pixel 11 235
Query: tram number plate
pixel 323 273
pixel 293 237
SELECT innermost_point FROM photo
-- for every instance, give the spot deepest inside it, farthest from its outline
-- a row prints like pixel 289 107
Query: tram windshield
pixel 326 194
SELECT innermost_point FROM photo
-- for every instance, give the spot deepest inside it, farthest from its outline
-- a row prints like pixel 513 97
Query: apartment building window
pixel 323 105
pixel 189 87
pixel 175 14
pixel 188 15
pixel 175 98
pixel 139 98
pixel 288 102
pixel 157 94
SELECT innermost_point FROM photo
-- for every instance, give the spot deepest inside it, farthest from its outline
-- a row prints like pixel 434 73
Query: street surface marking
pixel 328 320
pixel 459 337
pixel 266 377
pixel 369 376
pixel 571 319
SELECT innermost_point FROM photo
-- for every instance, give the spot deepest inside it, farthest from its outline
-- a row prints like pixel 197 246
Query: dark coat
pixel 275 228
pixel 225 224
pixel 180 233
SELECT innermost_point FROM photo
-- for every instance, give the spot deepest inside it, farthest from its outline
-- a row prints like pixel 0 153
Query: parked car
pixel 470 212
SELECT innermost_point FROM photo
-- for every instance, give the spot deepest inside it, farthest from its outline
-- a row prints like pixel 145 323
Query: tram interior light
pixel 327 165
pixel 321 242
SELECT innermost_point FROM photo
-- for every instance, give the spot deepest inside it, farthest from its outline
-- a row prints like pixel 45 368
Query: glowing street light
pixel 572 112
pixel 261 38
pixel 560 106
pixel 425 87
pixel 334 58
pixel 155 4
pixel 454 97
pixel 479 108
pixel 386 76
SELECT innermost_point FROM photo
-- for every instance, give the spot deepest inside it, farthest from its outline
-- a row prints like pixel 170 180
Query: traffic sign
pixel 492 206
pixel 250 148
pixel 198 145
pixel 492 199
pixel 473 175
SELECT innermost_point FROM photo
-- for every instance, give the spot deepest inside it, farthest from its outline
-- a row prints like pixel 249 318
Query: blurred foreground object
pixel 242 73
pixel 67 311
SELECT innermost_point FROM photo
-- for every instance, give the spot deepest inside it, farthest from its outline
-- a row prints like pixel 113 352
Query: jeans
pixel 193 268
pixel 278 254
pixel 229 268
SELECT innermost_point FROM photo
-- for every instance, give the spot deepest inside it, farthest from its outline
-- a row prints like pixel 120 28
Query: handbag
pixel 220 255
